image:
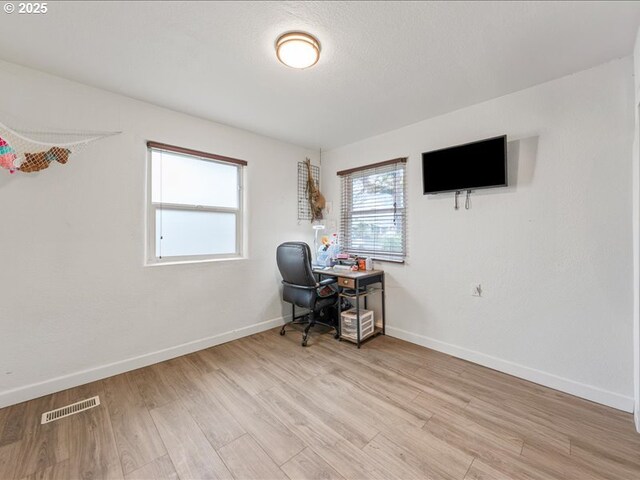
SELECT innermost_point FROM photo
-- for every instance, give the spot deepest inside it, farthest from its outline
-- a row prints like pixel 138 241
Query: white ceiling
pixel 383 65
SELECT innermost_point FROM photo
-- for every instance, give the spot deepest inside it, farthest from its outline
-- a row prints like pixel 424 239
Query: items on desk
pixel 355 263
pixel 346 268
pixel 328 255
pixel 328 250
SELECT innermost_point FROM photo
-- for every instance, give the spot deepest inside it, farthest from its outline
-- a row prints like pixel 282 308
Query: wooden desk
pixel 357 283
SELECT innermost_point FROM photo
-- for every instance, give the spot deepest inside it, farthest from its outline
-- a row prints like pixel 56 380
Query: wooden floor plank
pixel 92 446
pixel 423 452
pixel 246 368
pixel 495 449
pixel 14 424
pixel 298 369
pixel 160 469
pixel 155 391
pixel 263 407
pixel 606 457
pixel 198 362
pixel 308 465
pixel 3 415
pixel 246 460
pixel 559 465
pixel 131 422
pixel 364 405
pixel 481 471
pixel 343 456
pixel 501 419
pixel 279 442
pixel 190 452
pixel 440 403
pixel 59 471
pixel 45 445
pixel 346 422
pixel 215 421
pixel 372 378
pixel 471 437
pixel 289 353
pixel 9 460
pixel 550 409
pixel 403 463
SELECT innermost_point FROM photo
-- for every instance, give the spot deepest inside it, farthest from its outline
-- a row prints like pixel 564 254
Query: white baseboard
pixel 636 418
pixel 35 390
pixel 594 394
pixel 581 390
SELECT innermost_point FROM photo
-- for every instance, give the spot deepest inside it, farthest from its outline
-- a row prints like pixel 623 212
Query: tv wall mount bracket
pixel 467 201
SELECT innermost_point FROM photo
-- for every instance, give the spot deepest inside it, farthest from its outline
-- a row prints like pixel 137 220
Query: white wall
pixel 553 251
pixel 636 232
pixel 76 302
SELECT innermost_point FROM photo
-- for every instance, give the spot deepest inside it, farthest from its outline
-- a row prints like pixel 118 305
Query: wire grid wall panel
pixel 304 211
pixel 373 217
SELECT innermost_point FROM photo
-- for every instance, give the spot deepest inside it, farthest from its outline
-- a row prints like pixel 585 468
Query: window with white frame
pixel 194 205
pixel 373 217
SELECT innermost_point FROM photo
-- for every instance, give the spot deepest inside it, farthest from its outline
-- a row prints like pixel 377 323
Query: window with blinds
pixel 373 216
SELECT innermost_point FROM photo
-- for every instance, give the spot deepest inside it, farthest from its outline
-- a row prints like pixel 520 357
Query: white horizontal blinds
pixel 373 216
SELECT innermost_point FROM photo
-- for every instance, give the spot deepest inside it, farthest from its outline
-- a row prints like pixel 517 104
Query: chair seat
pixel 325 301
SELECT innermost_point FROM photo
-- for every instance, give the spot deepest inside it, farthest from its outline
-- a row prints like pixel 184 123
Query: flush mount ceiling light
pixel 298 49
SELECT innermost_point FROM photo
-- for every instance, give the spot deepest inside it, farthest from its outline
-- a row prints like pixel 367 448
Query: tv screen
pixel 481 164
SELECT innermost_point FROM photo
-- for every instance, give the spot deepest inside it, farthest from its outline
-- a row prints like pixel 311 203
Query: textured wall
pixel 636 231
pixel 553 251
pixel 75 295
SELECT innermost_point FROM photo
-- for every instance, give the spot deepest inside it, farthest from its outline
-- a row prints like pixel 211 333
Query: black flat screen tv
pixel 481 164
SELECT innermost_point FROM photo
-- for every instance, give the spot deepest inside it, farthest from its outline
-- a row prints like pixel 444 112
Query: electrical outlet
pixel 476 290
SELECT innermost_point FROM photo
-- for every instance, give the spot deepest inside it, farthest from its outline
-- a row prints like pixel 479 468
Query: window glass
pixel 182 179
pixel 189 232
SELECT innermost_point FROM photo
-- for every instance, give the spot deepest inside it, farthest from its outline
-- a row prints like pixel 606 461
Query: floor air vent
pixel 77 407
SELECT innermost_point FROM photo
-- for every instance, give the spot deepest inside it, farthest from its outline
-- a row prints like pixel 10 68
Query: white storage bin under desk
pixel 348 324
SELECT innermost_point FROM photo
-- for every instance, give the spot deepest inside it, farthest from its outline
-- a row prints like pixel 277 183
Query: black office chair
pixel 303 290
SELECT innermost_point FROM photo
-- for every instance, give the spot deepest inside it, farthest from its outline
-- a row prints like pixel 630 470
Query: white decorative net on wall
pixel 33 151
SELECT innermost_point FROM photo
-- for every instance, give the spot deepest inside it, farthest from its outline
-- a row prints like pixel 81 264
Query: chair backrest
pixel 294 263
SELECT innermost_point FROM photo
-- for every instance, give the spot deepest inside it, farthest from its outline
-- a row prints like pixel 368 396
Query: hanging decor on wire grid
pixel 29 151
pixel 304 208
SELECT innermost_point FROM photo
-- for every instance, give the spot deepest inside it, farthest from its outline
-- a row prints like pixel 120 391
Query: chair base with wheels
pixel 327 316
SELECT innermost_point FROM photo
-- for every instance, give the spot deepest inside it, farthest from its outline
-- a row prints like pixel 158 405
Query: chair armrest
pixel 327 281
pixel 301 287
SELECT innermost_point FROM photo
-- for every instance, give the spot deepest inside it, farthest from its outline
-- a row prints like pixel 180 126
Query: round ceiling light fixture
pixel 298 49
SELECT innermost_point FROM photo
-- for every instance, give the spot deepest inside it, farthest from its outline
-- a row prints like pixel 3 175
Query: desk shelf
pixel 361 282
pixel 369 291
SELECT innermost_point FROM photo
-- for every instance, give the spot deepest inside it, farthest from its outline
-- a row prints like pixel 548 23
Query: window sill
pixel 191 262
pixel 388 260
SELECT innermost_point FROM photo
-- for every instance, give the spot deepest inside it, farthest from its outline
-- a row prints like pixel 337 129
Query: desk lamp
pixel 317 226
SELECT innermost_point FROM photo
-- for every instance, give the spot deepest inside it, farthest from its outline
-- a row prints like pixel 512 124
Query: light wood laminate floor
pixel 263 407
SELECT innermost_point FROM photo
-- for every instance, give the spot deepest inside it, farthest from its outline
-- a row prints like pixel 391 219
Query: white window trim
pixel 150 255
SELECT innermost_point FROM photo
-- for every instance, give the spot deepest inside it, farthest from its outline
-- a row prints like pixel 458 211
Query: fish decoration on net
pixel 30 152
